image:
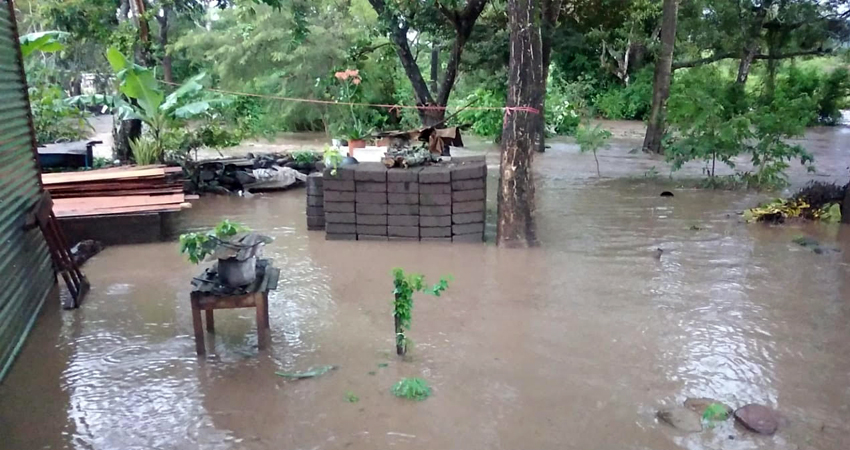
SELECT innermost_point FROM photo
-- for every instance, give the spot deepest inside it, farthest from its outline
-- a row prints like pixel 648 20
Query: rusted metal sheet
pixel 25 265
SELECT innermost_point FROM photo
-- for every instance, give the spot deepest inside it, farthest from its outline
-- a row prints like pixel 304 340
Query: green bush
pixel 630 102
pixel 53 119
pixel 486 123
pixel 828 90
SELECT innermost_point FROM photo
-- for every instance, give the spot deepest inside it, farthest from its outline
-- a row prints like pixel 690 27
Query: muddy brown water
pixel 574 344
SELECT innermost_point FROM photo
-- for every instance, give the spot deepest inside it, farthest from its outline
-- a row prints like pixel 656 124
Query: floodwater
pixel 572 345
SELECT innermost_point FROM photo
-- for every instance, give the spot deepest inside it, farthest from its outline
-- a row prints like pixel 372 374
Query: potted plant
pixel 232 245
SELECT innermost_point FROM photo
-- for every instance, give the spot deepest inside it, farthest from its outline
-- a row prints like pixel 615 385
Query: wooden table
pixel 256 295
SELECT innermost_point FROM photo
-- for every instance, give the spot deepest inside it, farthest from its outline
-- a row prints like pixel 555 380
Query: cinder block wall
pixel 444 202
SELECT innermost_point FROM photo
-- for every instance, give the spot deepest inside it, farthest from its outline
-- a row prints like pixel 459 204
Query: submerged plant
pixel 412 389
pixel 715 412
pixel 592 139
pixel 405 286
pixel 351 397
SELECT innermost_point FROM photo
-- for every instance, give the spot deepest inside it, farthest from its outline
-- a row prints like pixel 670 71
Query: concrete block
pixel 339 217
pixel 463 218
pixel 370 219
pixel 340 228
pixel 343 207
pixel 374 230
pixel 315 190
pixel 403 175
pixel 339 196
pixel 367 237
pixel 403 187
pixel 342 173
pixel 340 237
pixel 435 210
pixel 468 207
pixel 370 171
pixel 468 228
pixel 403 210
pixel 315 200
pixel 315 211
pixel 403 221
pixel 433 232
pixel 435 199
pixel 476 237
pixel 368 186
pixel 371 208
pixel 399 238
pixel 403 199
pixel 315 179
pixel 339 185
pixel 469 159
pixel 466 196
pixel 469 171
pixel 467 185
pixel 435 239
pixel 372 197
pixel 438 188
pixel 435 174
pixel 315 222
pixel 411 232
pixel 435 221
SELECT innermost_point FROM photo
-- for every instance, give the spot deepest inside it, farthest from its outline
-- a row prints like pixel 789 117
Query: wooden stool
pixel 255 296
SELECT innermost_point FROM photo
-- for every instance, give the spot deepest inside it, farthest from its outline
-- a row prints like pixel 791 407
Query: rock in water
pixel 758 418
pixel 681 419
pixel 85 250
pixel 699 405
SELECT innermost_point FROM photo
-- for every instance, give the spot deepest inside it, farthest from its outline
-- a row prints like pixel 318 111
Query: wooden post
pixel 210 321
pixel 262 329
pixel 200 348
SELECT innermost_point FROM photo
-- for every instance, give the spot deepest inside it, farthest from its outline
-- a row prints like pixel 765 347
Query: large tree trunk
pixel 752 36
pixel 516 227
pixel 663 74
pixel 167 74
pixel 122 132
pixel 551 13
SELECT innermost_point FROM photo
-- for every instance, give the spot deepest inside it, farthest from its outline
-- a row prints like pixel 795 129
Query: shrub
pixel 630 102
pixel 146 150
pixel 829 91
pixel 53 119
pixel 486 123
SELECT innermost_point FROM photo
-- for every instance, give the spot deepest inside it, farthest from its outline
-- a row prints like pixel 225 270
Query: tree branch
pixel 463 25
pixel 730 55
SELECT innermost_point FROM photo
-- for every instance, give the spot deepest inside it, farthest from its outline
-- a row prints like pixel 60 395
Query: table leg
pixel 266 300
pixel 262 329
pixel 199 331
pixel 210 321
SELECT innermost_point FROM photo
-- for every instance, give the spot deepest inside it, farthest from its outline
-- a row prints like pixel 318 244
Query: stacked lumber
pixel 117 190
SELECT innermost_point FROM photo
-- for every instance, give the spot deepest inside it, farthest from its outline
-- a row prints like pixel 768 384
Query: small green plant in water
pixel 715 412
pixel 332 158
pixel 405 286
pixel 412 389
pixel 592 139
pixel 198 246
pixel 350 397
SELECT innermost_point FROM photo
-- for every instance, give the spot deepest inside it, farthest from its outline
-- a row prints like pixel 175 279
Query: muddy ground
pixel 575 344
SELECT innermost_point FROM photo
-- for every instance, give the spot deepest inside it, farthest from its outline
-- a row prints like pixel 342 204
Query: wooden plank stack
pixel 117 190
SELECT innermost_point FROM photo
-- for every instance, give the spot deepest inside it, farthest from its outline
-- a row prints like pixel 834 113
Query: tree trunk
pixel 163 42
pixel 551 13
pixel 745 64
pixel 752 36
pixel 516 227
pixel 663 74
pixel 122 132
pixel 435 66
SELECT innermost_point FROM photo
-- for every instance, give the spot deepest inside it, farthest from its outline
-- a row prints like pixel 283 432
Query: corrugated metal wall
pixel 26 272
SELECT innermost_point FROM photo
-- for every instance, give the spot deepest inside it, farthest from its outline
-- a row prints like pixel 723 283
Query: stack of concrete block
pixel 469 201
pixel 370 186
pixel 403 204
pixel 340 220
pixel 435 204
pixel 315 202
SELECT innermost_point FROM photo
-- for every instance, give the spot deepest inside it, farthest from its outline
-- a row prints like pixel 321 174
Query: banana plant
pixel 43 41
pixel 141 97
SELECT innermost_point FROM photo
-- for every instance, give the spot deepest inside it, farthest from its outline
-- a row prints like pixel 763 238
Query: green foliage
pixel 214 134
pixel 44 41
pixel 412 389
pixel 351 397
pixel 715 123
pixel 305 157
pixel 332 158
pixel 146 151
pixel 592 139
pixel 53 119
pixel 631 102
pixel 197 246
pixel 715 412
pixel 405 285
pixel 828 91
pixel 487 123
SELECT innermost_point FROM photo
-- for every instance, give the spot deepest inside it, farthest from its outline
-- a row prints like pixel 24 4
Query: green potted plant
pixel 232 245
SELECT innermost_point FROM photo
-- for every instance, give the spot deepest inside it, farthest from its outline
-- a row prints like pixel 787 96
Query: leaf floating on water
pixel 715 412
pixel 383 364
pixel 351 397
pixel 313 372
